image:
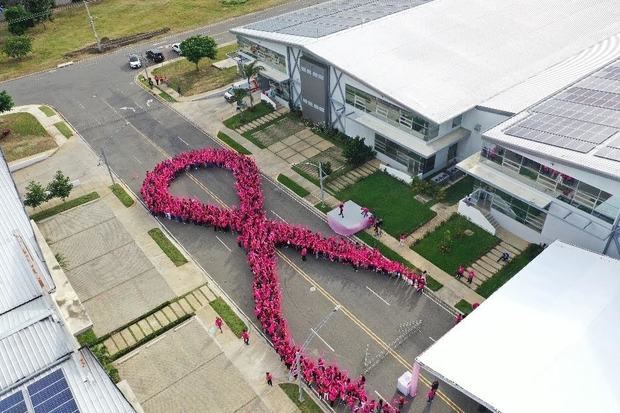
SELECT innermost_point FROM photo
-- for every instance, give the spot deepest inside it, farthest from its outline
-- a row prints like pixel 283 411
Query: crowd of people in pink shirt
pixel 260 237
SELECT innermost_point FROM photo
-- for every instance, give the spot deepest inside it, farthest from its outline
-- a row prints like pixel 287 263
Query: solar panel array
pixel 580 118
pixel 15 403
pixel 332 16
pixel 51 393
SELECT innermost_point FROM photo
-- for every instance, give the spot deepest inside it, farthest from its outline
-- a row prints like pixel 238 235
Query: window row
pixel 274 59
pixel 415 163
pixel 577 193
pixel 391 113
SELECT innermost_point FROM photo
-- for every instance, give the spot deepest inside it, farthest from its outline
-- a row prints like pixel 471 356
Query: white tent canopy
pixel 547 341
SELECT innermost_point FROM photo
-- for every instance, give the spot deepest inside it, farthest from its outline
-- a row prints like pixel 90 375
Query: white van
pixel 229 95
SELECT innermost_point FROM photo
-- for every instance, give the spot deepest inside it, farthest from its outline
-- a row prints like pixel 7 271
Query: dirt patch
pixel 110 44
pixel 27 137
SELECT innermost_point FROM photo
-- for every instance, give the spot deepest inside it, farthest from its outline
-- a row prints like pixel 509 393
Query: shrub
pixel 18 19
pixel 35 194
pixel 60 187
pixel 17 46
pixel 356 152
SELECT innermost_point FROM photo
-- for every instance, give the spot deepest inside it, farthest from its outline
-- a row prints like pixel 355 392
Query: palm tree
pixel 239 95
pixel 249 71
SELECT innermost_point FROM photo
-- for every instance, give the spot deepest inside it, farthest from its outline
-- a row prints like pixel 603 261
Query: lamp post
pixel 313 331
pixel 319 166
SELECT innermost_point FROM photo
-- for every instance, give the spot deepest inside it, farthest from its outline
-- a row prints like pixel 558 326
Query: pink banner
pixel 415 378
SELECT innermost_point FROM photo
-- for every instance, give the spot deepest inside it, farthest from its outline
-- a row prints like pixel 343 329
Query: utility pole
pixel 92 25
pixel 321 177
pixel 105 159
pixel 313 331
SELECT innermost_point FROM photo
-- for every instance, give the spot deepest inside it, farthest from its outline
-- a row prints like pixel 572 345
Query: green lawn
pixel 64 129
pixel 231 319
pixel 28 137
pixel 70 29
pixel 183 75
pixel 167 247
pixel 459 190
pixel 233 143
pixel 122 195
pixel 259 110
pixel 87 338
pixel 47 110
pixel 323 207
pixel 464 307
pixel 165 96
pixel 515 265
pixel 307 406
pixel 465 249
pixel 293 186
pixel 389 253
pixel 391 200
pixel 72 203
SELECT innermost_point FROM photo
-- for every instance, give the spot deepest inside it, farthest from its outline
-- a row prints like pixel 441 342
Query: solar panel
pixel 577 111
pixel 52 394
pixel 609 72
pixel 549 138
pixel 591 97
pixel 15 403
pixel 612 154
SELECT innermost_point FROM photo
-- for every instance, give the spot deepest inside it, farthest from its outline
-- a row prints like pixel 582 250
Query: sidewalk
pixel 76 160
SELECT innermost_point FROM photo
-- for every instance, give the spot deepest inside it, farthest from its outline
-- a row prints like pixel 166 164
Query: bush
pixel 17 46
pixel 35 194
pixel 356 152
pixel 18 19
pixel 60 187
pixel 101 352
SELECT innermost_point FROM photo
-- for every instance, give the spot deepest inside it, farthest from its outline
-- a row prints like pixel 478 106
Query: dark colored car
pixel 155 55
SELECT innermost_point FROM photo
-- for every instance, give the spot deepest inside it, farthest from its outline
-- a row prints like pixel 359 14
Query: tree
pixel 198 47
pixel 239 95
pixel 41 10
pixel 17 46
pixel 356 152
pixel 18 19
pixel 6 102
pixel 249 71
pixel 60 187
pixel 35 194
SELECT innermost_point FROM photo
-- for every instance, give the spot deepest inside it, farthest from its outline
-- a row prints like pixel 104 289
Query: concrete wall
pixel 517 228
pixel 475 216
pixel 474 117
pixel 557 228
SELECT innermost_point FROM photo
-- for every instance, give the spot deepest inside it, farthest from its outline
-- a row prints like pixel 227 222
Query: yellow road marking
pixel 296 268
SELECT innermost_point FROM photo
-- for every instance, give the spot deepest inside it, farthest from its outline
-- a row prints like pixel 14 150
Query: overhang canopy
pixel 547 341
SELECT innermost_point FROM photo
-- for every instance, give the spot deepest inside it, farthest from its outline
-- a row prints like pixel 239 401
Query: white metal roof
pixel 444 57
pixel 547 341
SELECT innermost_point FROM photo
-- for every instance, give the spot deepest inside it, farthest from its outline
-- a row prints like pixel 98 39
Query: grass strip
pixel 64 129
pixel 307 406
pixel 464 307
pixel 122 195
pixel 72 203
pixel 309 177
pixel 231 319
pixel 249 115
pixel 167 97
pixel 490 285
pixel 389 253
pixel 233 143
pixel 150 337
pixel 323 207
pixel 47 110
pixel 293 186
pixel 167 247
pixel 87 338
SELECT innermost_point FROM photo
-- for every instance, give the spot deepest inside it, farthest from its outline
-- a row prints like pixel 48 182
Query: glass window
pixel 456 122
pixel 429 164
pixel 513 157
pixel 452 151
pixel 272 58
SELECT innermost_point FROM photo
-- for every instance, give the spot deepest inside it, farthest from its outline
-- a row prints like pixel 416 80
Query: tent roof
pixel 547 341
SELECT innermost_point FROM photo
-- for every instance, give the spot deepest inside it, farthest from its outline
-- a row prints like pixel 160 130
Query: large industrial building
pixel 420 80
pixel 42 367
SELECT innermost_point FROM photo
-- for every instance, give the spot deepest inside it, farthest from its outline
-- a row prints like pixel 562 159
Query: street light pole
pixel 92 25
pixel 313 332
pixel 105 159
pixel 321 177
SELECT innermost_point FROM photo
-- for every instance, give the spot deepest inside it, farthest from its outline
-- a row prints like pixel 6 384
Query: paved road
pixel 113 114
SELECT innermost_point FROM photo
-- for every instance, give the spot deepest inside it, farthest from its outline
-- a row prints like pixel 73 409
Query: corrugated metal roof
pixel 25 352
pixel 17 283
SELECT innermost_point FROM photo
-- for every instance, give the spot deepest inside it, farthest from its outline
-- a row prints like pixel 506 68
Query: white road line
pixel 381 397
pixel 321 338
pixel 432 339
pixel 137 160
pixel 378 296
pixel 276 214
pixel 222 242
pixel 181 139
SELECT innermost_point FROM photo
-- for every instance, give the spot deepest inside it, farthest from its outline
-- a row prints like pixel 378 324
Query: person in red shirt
pixel 218 323
pixel 431 395
pixel 246 337
pixel 459 318
pixel 470 276
pixel 269 378
pixel 304 253
pixel 460 272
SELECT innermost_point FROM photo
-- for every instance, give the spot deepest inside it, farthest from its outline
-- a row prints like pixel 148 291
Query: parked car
pixel 134 62
pixel 155 55
pixel 177 48
pixel 229 95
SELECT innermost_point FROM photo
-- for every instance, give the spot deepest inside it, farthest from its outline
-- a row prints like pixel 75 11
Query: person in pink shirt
pixel 470 276
pixel 219 323
pixel 460 272
pixel 431 395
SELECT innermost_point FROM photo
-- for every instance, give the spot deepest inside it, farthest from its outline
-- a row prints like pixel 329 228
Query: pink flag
pixel 415 378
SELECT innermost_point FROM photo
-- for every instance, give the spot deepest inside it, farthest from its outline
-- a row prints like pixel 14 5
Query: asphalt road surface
pixel 136 131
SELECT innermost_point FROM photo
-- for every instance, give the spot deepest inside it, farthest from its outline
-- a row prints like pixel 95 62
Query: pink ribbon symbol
pixel 260 237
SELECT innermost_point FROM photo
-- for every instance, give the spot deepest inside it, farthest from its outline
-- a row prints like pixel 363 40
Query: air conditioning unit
pixel 478 127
